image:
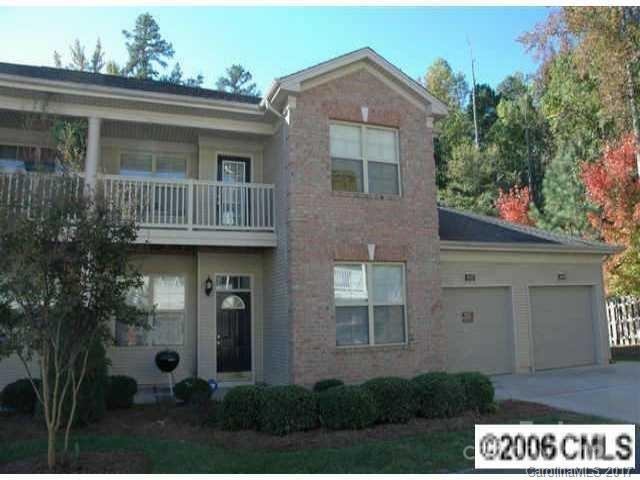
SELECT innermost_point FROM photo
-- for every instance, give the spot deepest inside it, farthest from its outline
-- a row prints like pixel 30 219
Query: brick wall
pixel 324 226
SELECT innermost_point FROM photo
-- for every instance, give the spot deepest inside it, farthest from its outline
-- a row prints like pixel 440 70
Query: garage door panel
pixel 562 324
pixel 479 329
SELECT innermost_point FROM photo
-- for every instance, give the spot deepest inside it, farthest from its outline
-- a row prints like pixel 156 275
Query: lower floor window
pixel 165 295
pixel 370 303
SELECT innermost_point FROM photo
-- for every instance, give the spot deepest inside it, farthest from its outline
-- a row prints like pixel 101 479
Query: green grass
pixel 429 453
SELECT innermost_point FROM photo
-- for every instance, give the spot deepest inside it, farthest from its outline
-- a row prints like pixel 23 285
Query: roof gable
pixel 293 82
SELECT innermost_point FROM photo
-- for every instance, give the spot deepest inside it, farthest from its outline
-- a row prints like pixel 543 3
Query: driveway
pixel 611 391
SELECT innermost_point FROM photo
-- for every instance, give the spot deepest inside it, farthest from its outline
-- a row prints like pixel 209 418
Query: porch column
pixel 93 154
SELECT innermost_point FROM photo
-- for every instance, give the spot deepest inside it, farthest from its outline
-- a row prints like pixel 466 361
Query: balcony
pixel 168 211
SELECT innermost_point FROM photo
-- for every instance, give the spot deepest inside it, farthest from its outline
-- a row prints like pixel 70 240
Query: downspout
pixel 273 110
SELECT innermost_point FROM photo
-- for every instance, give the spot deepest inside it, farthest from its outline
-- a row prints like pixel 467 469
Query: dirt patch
pixel 90 462
pixel 186 424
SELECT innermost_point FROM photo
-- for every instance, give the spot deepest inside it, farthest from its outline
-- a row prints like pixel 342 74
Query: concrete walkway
pixel 611 391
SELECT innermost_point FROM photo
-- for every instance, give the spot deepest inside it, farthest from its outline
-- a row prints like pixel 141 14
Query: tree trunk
pixel 51 449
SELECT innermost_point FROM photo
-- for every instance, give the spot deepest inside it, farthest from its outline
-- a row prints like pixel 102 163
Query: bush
pixel 120 391
pixel 192 390
pixel 394 399
pixel 241 407
pixel 20 396
pixel 347 407
pixel 213 413
pixel 323 385
pixel 287 408
pixel 478 391
pixel 438 395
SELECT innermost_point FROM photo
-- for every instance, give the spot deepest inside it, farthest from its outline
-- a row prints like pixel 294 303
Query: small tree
pixel 513 206
pixel 64 276
pixel 237 80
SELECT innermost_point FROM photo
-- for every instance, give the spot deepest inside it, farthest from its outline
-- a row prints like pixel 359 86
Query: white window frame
pixel 151 317
pixel 154 162
pixel 371 302
pixel 363 155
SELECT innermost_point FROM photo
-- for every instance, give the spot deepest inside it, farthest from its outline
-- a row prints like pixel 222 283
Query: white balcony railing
pixel 158 203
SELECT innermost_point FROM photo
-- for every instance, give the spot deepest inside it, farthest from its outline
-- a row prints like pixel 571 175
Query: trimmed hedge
pixel 438 395
pixel 394 399
pixel 20 395
pixel 323 385
pixel 478 391
pixel 192 389
pixel 121 391
pixel 241 407
pixel 347 408
pixel 287 408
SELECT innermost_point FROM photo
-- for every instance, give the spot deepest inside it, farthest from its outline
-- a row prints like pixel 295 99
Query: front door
pixel 233 197
pixel 234 331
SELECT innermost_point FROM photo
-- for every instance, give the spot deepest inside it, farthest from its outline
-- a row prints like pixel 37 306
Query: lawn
pixel 200 449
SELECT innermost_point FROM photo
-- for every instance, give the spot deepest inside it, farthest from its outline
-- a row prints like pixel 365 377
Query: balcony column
pixel 93 154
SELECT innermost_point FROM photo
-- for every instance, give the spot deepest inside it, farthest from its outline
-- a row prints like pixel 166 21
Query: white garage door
pixel 479 329
pixel 562 323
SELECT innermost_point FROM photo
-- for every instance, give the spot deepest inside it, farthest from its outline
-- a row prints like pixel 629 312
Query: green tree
pixel 513 86
pixel 486 108
pixel 450 87
pixel 471 181
pixel 176 76
pixel 146 48
pixel 237 80
pixel 97 59
pixel 79 60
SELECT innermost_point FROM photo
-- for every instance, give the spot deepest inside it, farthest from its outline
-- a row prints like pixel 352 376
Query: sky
pixel 275 41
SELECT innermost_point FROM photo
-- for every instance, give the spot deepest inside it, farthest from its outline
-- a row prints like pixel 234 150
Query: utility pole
pixel 473 95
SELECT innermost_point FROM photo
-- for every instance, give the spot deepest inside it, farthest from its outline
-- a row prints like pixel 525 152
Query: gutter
pixel 76 88
pixel 528 247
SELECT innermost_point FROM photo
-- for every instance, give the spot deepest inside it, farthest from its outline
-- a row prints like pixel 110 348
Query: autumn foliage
pixel 612 185
pixel 513 206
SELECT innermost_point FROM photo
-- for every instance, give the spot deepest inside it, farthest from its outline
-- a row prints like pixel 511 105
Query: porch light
pixel 208 286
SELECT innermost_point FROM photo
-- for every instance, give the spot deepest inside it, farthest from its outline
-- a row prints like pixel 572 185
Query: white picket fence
pixel 623 318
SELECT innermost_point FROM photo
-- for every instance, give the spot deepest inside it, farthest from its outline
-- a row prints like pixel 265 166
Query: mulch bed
pixel 184 423
pixel 90 462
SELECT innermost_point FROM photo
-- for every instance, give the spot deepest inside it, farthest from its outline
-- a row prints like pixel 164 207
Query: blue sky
pixel 278 40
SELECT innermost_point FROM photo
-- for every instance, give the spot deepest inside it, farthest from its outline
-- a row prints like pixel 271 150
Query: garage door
pixel 479 329
pixel 562 323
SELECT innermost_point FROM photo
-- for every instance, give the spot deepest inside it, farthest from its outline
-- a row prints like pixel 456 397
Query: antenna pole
pixel 473 95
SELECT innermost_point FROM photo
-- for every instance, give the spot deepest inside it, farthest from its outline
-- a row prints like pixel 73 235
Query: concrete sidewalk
pixel 611 391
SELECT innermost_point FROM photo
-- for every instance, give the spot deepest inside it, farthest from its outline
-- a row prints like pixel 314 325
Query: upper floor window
pixel 364 159
pixel 147 164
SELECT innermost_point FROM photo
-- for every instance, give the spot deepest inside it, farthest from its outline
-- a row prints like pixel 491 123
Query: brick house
pixel 297 237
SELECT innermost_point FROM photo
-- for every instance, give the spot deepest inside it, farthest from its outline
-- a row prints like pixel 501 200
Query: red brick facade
pixel 325 226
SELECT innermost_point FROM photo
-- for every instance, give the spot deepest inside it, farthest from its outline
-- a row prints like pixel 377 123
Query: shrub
pixel 347 407
pixel 120 391
pixel 192 390
pixel 241 407
pixel 213 413
pixel 394 399
pixel 323 385
pixel 20 396
pixel 438 395
pixel 287 408
pixel 478 391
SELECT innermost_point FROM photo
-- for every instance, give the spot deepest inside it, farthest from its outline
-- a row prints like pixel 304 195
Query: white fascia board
pixel 293 82
pixel 527 247
pixel 88 90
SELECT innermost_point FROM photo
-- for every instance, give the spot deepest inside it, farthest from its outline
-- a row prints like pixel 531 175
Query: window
pixel 18 158
pixel 370 303
pixel 146 164
pixel 167 294
pixel 364 159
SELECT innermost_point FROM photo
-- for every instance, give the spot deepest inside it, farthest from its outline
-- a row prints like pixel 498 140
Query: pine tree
pixel 113 68
pixel 565 204
pixel 97 59
pixel 237 80
pixel 146 48
pixel 78 57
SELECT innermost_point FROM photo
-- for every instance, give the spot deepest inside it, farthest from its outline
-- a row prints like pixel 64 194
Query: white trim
pixel 364 127
pixel 370 304
pixel 525 247
pixel 292 82
pixel 251 319
pixel 138 95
